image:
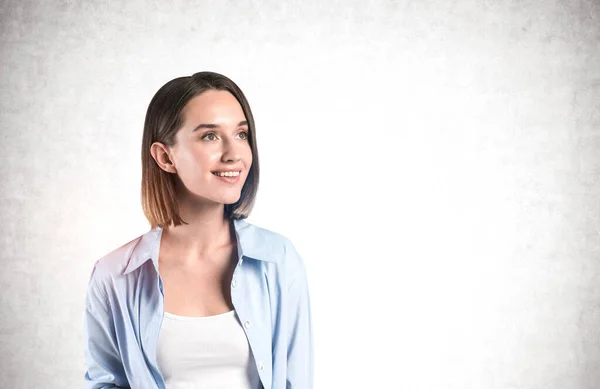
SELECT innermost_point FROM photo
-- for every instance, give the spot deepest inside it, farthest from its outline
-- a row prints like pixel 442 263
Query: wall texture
pixel 436 162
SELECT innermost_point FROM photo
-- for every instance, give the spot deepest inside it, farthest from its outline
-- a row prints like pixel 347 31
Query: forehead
pixel 213 106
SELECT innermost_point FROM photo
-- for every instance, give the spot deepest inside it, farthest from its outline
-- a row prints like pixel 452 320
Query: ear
pixel 161 155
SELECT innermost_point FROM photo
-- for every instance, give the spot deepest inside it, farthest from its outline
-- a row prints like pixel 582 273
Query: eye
pixel 209 134
pixel 245 134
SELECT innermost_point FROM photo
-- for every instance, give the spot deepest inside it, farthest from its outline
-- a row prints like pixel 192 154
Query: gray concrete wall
pixel 436 163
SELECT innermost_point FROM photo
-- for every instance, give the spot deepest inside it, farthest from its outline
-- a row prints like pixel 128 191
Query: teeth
pixel 227 174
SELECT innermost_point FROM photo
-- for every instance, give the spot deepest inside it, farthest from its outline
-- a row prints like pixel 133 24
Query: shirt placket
pixel 238 285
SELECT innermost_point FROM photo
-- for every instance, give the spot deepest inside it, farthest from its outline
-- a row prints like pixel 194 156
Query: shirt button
pixel 233 284
pixel 247 324
pixel 260 366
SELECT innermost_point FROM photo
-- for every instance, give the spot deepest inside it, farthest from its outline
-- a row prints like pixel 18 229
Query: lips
pixel 229 180
pixel 228 171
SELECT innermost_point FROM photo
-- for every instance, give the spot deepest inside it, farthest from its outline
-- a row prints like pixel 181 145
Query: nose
pixel 231 151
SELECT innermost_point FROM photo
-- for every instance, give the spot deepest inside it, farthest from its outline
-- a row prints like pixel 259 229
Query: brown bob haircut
pixel 164 118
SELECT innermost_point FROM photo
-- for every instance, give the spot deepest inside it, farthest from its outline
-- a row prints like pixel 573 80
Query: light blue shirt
pixel 125 308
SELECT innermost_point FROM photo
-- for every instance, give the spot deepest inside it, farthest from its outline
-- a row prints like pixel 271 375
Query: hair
pixel 164 118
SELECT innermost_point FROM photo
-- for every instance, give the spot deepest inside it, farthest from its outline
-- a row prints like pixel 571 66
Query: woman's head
pixel 196 128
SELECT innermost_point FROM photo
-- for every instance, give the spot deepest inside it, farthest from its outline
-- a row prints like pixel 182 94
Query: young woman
pixel 204 299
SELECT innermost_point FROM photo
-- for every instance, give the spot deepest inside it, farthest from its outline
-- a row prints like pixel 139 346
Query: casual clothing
pixel 125 311
pixel 205 352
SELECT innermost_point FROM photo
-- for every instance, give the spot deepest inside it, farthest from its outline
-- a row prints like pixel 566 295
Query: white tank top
pixel 206 352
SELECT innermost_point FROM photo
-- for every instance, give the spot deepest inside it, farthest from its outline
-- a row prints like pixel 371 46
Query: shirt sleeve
pixel 300 363
pixel 104 366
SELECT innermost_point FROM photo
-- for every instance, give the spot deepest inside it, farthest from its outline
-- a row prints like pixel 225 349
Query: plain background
pixel 436 163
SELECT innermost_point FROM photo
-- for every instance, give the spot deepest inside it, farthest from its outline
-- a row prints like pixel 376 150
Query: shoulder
pixel 274 247
pixel 115 262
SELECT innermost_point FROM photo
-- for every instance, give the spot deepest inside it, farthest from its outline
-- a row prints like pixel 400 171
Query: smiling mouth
pixel 227 174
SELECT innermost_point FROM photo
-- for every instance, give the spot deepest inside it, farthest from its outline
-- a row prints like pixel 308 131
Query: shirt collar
pixel 251 243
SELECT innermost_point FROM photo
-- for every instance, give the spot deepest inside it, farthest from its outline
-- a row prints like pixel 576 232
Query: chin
pixel 231 199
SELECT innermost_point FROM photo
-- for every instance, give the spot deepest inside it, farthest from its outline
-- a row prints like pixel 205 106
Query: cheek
pixel 203 157
pixel 195 161
pixel 209 158
pixel 248 155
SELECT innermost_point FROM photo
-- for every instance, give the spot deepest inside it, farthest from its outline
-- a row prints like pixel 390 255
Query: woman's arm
pixel 102 357
pixel 300 363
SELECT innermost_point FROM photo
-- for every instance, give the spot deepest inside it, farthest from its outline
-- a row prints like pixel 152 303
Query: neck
pixel 206 230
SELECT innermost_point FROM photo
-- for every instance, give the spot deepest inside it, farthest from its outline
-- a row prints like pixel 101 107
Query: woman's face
pixel 213 139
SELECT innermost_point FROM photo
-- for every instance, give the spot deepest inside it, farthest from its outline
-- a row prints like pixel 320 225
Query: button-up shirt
pixel 125 308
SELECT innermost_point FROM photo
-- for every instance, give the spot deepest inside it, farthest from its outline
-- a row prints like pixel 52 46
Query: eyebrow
pixel 212 126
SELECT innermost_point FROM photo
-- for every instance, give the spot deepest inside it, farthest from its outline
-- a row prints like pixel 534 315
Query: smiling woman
pixel 203 299
pixel 195 152
pixel 191 119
